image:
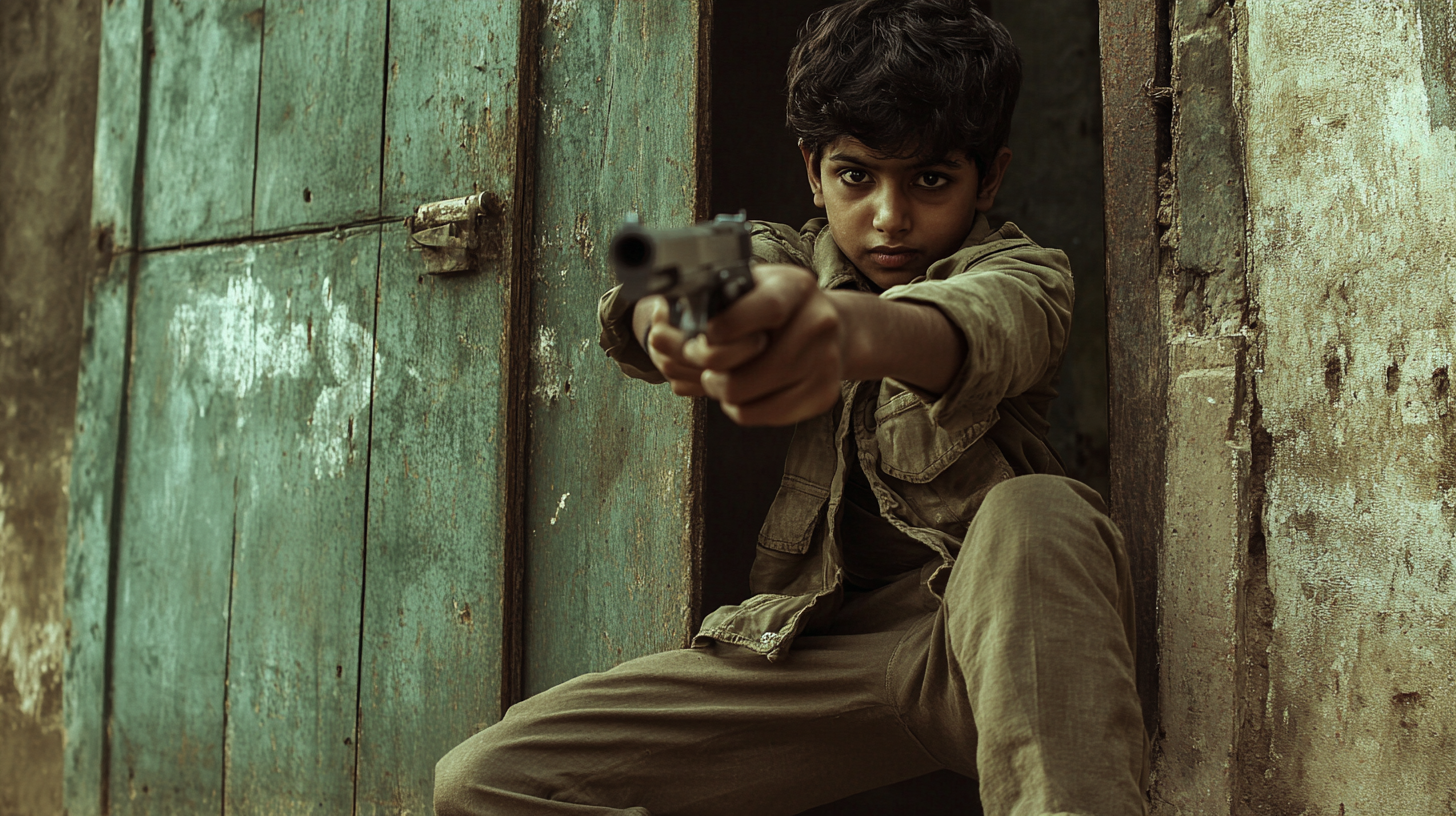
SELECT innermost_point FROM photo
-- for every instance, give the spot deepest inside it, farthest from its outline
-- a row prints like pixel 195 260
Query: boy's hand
pixel 664 345
pixel 776 356
pixel 779 353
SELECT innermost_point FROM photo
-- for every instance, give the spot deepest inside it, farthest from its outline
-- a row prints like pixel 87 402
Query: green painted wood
pixel 191 323
pixel 238 571
pixel 88 540
pixel 118 117
pixel 320 113
pixel 434 617
pixel 450 119
pixel 433 605
pixel 202 113
pixel 307 322
pixel 610 550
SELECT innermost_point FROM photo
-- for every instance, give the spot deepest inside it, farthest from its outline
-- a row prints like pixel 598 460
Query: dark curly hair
pixel 921 77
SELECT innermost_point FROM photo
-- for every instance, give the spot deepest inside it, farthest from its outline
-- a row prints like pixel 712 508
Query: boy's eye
pixel 854 176
pixel 933 181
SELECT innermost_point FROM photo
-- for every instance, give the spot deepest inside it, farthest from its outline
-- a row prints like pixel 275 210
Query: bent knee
pixel 1041 520
pixel 1040 491
pixel 452 781
pixel 464 777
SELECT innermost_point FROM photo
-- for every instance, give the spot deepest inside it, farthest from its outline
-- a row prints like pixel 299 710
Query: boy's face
pixel 893 217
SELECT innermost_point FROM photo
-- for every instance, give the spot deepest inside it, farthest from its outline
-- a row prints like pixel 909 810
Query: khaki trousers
pixel 1022 677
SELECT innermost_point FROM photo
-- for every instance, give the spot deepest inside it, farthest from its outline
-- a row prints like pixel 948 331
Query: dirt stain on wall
pixel 48 63
pixel 1438 66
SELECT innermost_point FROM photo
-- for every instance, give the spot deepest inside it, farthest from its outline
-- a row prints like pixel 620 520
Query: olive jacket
pixel 930 460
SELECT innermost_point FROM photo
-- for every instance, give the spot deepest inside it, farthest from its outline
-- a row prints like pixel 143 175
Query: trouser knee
pixel 1036 522
pixel 465 775
pixel 1042 535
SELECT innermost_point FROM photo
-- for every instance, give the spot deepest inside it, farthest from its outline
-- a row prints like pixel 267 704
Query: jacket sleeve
pixel 1012 301
pixel 615 315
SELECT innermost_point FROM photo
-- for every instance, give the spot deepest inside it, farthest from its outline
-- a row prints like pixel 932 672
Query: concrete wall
pixel 1306 591
pixel 1352 212
pixel 48 55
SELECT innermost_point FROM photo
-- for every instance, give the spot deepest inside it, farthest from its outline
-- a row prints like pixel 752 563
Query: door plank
pixel 320 114
pixel 301 442
pixel 611 549
pixel 120 90
pixel 450 121
pixel 434 603
pixel 435 617
pixel 237 570
pixel 100 393
pixel 201 125
pixel 192 356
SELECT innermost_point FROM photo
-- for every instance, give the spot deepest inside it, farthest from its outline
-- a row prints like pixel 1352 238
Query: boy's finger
pixel 726 357
pixel 799 401
pixel 686 380
pixel 804 349
pixel 779 290
pixel 666 340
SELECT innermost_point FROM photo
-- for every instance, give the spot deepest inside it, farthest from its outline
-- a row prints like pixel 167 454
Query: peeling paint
pixel 31 651
pixel 1437 24
pixel 551 372
pixel 245 337
pixel 561 505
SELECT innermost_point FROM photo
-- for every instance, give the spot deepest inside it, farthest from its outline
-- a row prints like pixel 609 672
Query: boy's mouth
pixel 893 257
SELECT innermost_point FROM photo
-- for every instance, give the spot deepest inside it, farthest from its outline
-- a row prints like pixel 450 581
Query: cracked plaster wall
pixel 1306 584
pixel 1351 162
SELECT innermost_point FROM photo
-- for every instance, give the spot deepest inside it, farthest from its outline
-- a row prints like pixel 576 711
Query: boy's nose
pixel 892 210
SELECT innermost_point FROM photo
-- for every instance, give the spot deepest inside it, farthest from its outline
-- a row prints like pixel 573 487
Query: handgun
pixel 701 270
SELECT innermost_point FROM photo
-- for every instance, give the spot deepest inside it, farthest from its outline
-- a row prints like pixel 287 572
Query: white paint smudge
pixel 245 337
pixel 561 505
pixel 548 365
pixel 32 652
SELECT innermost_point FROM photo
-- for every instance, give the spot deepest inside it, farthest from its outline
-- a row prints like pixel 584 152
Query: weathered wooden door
pixel 331 514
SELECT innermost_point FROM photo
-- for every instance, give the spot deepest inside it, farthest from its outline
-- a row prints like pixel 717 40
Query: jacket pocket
pixel 790 524
pixel 915 449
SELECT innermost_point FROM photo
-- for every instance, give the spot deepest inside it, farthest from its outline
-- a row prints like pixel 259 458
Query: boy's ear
pixel 811 167
pixel 991 184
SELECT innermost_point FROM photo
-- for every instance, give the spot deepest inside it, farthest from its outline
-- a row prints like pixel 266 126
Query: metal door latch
pixel 454 235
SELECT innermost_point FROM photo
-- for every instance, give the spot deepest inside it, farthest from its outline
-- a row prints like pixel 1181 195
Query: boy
pixel 931 593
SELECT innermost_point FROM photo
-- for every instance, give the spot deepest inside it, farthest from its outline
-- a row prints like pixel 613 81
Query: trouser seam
pixel 890 696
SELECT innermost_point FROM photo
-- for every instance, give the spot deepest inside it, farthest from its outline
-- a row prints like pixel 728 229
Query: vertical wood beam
pixel 610 519
pixel 1134 62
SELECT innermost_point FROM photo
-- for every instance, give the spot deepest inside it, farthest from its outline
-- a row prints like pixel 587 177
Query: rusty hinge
pixel 454 235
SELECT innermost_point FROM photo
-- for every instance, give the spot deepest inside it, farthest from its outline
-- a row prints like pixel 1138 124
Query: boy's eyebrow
pixel 941 161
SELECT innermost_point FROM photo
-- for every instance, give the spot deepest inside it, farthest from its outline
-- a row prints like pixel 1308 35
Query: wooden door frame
pixel 1136 113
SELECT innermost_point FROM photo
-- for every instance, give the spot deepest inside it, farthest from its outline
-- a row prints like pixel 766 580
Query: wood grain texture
pixel 433 605
pixel 237 569
pixel 202 112
pixel 175 551
pixel 610 551
pixel 1134 46
pixel 301 444
pixel 94 475
pixel 118 119
pixel 436 620
pixel 451 110
pixel 320 113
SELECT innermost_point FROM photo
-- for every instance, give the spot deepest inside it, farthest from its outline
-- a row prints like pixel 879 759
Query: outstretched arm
pixel 779 354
